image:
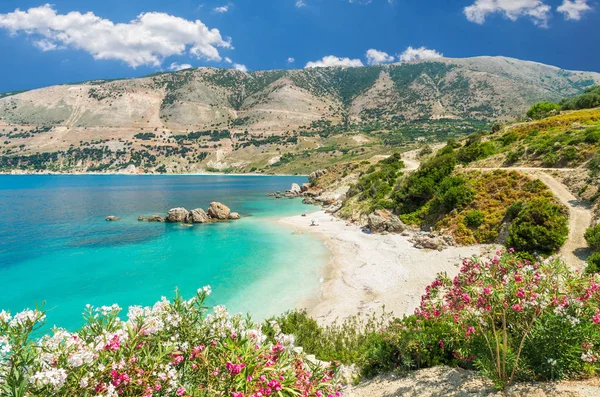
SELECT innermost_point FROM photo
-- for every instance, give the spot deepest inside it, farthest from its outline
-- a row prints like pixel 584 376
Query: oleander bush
pixel 174 348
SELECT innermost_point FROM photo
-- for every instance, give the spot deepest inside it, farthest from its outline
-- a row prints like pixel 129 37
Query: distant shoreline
pixel 49 173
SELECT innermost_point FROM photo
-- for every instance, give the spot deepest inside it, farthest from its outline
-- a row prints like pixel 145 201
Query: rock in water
pixel 142 218
pixel 112 218
pixel 178 215
pixel 384 221
pixel 156 218
pixel 218 211
pixel 199 216
pixel 295 189
pixel 234 215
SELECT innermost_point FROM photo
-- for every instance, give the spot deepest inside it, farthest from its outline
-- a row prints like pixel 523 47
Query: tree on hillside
pixel 542 110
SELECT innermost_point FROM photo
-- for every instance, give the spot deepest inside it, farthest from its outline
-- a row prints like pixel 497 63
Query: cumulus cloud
pixel 300 4
pixel 574 9
pixel 291 60
pixel 417 54
pixel 222 9
pixel 147 40
pixel 240 67
pixel 330 60
pixel 537 10
pixel 376 57
pixel 179 66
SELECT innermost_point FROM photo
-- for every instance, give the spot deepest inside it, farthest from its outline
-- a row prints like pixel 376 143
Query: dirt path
pixel 575 250
pixel 456 382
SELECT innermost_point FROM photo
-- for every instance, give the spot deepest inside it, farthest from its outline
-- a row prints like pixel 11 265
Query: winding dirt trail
pixel 575 250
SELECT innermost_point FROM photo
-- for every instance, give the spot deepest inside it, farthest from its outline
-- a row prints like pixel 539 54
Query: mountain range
pixel 207 118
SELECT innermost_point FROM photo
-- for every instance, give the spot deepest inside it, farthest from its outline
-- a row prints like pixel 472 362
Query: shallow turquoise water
pixel 55 245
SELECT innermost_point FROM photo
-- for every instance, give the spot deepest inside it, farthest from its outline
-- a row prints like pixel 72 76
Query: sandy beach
pixel 369 271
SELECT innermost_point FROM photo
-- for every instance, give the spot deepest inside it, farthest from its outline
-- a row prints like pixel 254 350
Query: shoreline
pixel 49 173
pixel 368 272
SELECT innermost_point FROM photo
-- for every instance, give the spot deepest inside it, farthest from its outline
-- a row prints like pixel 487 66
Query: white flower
pixel 27 317
pixel 52 377
pixel 4 317
pixel 206 289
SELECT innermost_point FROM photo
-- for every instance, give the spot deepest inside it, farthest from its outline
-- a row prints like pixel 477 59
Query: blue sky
pixel 76 40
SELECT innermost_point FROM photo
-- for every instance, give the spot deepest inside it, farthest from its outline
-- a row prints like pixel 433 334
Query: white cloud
pixel 45 45
pixel 417 54
pixel 574 9
pixel 300 4
pixel 240 67
pixel 228 60
pixel 147 40
pixel 330 60
pixel 179 66
pixel 376 57
pixel 222 9
pixel 537 10
pixel 291 60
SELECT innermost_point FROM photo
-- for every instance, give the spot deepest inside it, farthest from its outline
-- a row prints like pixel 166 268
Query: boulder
pixel 384 221
pixel 199 216
pixel 305 187
pixel 295 189
pixel 112 218
pixel 178 215
pixel 155 218
pixel 142 218
pixel 218 211
pixel 234 215
pixel 316 175
pixel 309 200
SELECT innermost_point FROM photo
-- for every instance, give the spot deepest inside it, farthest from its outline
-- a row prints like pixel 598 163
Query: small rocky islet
pixel 216 212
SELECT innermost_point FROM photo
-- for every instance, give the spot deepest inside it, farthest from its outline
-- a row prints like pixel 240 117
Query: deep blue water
pixel 55 245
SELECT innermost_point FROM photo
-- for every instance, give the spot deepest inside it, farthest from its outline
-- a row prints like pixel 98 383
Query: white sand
pixel 369 271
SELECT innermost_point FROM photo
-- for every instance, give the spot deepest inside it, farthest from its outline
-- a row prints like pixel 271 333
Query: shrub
pixel 500 310
pixel 474 219
pixel 541 226
pixel 173 348
pixel 344 342
pixel 592 236
pixel 454 193
pixel 593 262
pixel 542 110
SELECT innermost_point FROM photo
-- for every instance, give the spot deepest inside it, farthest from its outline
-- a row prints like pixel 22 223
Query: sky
pixel 78 40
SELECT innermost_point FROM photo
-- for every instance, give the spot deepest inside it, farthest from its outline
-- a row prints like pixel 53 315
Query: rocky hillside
pixel 225 119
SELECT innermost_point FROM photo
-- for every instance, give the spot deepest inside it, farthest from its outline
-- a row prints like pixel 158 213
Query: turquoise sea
pixel 55 245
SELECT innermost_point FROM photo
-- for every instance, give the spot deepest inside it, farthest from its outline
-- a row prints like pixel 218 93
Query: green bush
pixel 592 236
pixel 454 193
pixel 474 218
pixel 589 99
pixel 541 226
pixel 344 342
pixel 554 348
pixel 593 262
pixel 542 110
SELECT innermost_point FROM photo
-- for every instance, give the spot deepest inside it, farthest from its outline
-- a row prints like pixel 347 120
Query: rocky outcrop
pixel 199 216
pixel 156 218
pixel 432 241
pixel 218 211
pixel 112 218
pixel 312 178
pixel 384 221
pixel 234 215
pixel 178 215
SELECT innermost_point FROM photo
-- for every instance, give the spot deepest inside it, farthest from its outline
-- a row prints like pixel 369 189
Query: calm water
pixel 55 245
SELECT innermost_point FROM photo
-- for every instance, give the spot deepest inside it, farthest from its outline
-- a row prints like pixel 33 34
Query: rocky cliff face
pixel 204 115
